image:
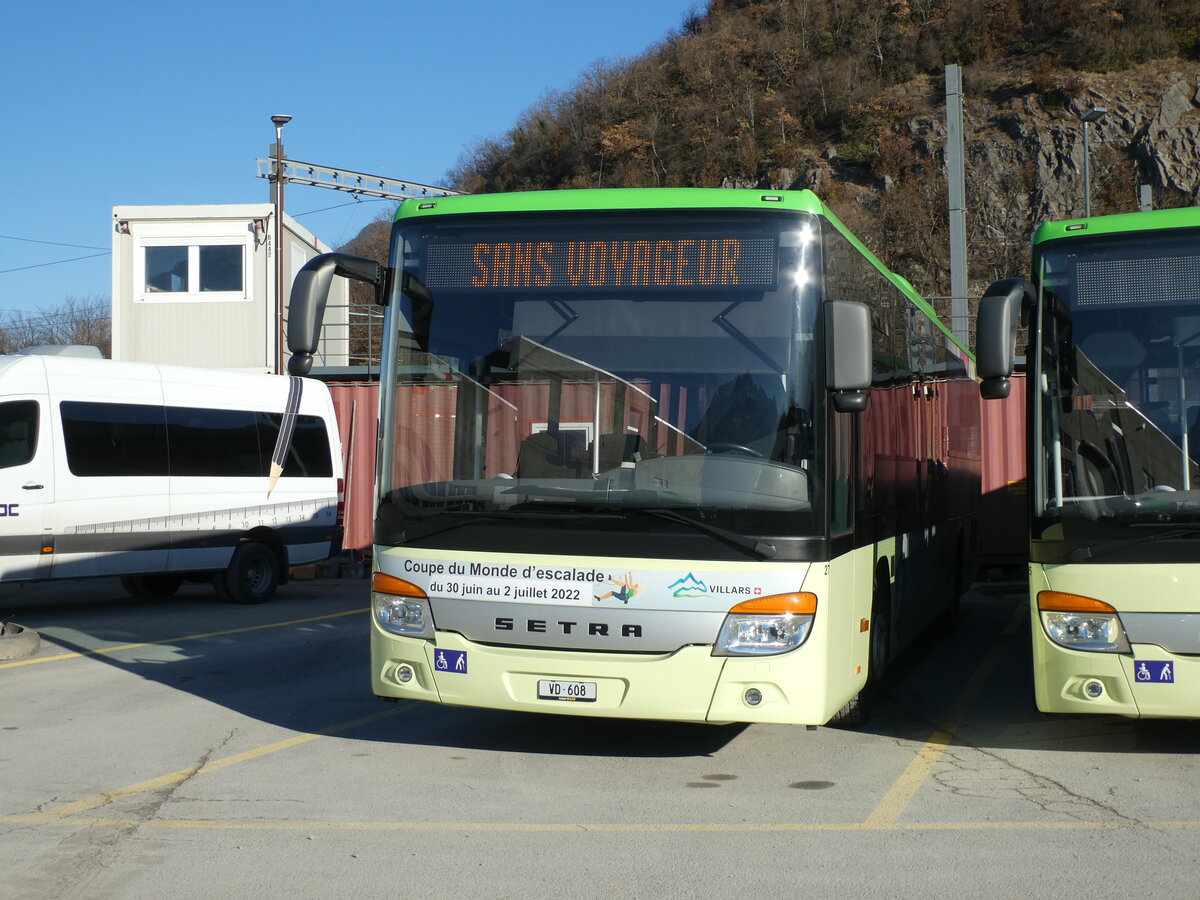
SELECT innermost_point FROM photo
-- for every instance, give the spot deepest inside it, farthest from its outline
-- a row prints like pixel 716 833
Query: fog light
pixel 404 673
pixel 753 697
pixel 1093 689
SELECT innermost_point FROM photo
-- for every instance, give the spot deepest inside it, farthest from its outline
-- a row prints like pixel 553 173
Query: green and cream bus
pixel 1113 362
pixel 677 454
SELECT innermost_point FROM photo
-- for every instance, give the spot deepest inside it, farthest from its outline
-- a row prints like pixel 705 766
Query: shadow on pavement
pixel 301 662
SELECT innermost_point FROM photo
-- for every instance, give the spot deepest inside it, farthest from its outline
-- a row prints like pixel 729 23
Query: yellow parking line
pixel 888 811
pixel 178 640
pixel 602 827
pixel 64 810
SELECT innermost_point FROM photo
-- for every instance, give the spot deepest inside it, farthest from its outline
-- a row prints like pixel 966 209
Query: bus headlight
pixel 767 625
pixel 1082 623
pixel 400 606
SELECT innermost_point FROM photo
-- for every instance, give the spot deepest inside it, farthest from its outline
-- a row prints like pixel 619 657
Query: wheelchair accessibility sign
pixel 1150 671
pixel 450 661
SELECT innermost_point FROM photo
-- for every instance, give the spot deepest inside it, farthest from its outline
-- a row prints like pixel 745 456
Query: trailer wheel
pixel 252 576
pixel 17 642
pixel 156 587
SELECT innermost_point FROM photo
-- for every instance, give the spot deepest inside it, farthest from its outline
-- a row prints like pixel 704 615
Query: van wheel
pixel 151 587
pixel 252 576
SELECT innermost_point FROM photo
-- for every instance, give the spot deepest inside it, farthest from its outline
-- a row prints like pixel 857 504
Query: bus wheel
pixel 252 576
pixel 151 587
pixel 852 715
pixel 856 713
pixel 944 627
pixel 881 645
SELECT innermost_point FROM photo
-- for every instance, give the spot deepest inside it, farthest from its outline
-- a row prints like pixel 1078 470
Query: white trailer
pixel 196 286
pixel 161 473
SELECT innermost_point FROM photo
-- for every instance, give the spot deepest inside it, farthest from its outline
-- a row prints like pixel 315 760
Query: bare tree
pixel 79 320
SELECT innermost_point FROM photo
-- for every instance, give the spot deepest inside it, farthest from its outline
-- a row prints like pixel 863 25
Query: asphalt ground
pixel 191 748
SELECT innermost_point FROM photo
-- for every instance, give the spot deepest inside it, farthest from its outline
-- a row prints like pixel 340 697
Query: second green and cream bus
pixel 1113 389
pixel 673 454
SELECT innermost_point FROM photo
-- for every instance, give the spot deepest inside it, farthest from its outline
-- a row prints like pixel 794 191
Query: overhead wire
pixel 56 262
pixel 9 237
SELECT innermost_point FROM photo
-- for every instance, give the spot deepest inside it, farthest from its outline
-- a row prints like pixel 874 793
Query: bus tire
pixel 151 587
pixel 857 712
pixel 17 642
pixel 853 714
pixel 944 627
pixel 880 650
pixel 252 576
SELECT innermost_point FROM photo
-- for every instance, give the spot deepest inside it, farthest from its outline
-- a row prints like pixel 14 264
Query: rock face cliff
pixel 1150 135
pixel 1025 162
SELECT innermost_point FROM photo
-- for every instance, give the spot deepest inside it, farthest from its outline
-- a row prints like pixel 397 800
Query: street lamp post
pixel 1095 114
pixel 277 196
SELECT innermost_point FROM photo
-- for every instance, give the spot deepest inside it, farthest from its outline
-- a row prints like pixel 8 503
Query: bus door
pixel 26 487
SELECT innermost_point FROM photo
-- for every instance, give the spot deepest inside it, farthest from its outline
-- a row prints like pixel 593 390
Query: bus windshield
pixel 1119 398
pixel 600 362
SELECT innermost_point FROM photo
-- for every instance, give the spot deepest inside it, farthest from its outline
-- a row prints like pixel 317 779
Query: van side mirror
pixel 848 354
pixel 310 293
pixel 1000 313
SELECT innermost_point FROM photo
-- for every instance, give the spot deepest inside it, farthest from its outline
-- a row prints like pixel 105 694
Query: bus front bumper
pixel 689 685
pixel 1150 683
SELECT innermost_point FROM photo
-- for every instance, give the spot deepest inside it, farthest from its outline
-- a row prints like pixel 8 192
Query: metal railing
pixel 353 343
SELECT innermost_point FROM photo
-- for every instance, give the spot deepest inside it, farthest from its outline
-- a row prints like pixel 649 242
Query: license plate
pixel 583 691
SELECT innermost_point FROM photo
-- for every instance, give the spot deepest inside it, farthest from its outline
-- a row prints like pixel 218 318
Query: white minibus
pixel 158 474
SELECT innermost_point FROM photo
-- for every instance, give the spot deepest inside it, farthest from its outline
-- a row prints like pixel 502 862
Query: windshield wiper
pixel 471 516
pixel 758 548
pixel 557 503
pixel 1175 530
pixel 637 498
pixel 627 501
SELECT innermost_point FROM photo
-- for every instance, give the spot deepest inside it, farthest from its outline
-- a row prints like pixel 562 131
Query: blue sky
pixel 143 103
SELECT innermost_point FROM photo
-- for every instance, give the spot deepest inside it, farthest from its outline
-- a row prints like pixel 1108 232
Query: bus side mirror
pixel 996 334
pixel 310 293
pixel 848 354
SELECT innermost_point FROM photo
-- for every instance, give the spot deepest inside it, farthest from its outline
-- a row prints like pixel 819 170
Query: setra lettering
pixel 566 627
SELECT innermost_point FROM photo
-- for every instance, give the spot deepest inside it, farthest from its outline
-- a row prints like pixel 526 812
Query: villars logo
pixel 688 586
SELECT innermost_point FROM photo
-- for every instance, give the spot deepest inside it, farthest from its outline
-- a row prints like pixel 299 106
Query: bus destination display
pixel 659 262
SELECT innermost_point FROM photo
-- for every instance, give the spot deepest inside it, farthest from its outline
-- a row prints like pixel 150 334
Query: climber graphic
pixel 624 589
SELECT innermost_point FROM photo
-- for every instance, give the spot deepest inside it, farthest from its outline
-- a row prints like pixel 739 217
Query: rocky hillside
pixel 847 97
pixel 1025 163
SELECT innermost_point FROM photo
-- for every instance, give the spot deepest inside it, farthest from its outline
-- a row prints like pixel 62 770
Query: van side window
pixel 104 439
pixel 18 432
pixel 309 455
pixel 131 439
pixel 214 442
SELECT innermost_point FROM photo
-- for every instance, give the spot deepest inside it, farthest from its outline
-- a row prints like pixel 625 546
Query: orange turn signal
pixel 390 584
pixel 800 604
pixel 1058 601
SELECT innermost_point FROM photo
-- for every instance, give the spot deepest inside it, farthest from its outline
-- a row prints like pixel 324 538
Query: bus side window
pixel 18 432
